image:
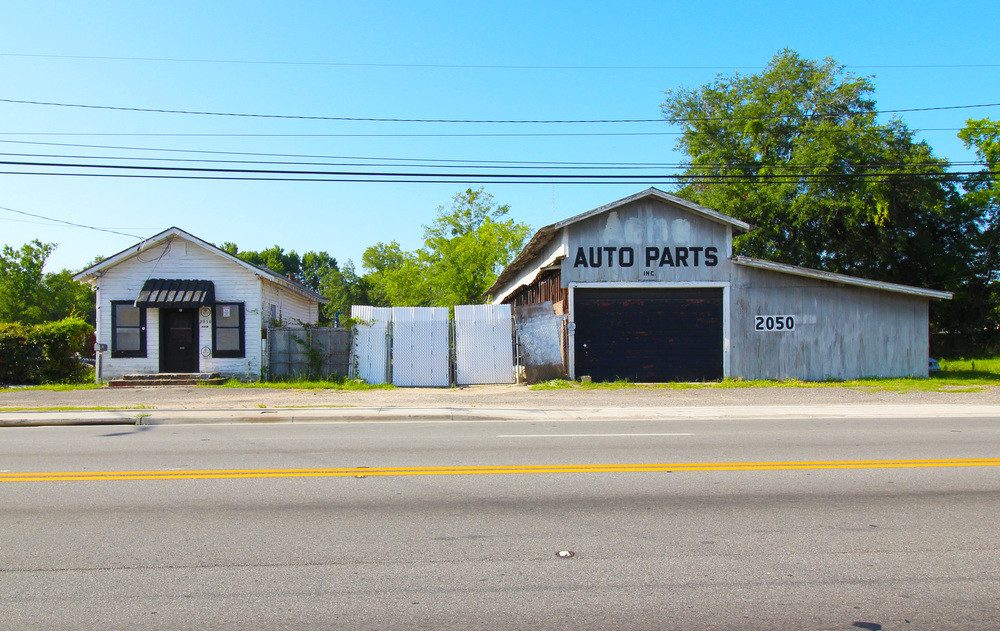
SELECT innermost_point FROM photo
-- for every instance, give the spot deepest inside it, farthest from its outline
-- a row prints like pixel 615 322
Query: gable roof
pixel 94 271
pixel 545 234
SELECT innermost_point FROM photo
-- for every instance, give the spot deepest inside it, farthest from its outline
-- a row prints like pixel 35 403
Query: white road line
pixel 581 435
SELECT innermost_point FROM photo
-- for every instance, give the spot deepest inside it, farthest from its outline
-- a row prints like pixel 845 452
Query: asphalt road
pixel 679 524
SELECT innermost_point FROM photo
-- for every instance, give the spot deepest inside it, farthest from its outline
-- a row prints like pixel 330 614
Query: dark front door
pixel 178 340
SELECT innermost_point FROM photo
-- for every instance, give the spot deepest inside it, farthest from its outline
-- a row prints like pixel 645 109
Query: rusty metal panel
pixel 420 346
pixel 301 352
pixel 484 344
pixel 649 335
pixel 539 335
pixel 370 347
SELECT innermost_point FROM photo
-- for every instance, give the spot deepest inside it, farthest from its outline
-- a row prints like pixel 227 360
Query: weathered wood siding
pixel 514 292
pixel 841 332
pixel 290 308
pixel 646 241
pixel 182 259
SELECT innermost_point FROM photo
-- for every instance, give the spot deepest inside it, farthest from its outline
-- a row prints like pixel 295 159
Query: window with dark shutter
pixel 128 329
pixel 228 339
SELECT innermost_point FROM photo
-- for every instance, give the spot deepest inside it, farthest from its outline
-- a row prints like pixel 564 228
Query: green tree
pixel 465 248
pixel 308 269
pixel 468 245
pixel 396 278
pixel 30 296
pixel 797 151
pixel 983 193
pixel 343 287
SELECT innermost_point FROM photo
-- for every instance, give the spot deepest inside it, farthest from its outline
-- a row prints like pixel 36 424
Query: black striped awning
pixel 174 293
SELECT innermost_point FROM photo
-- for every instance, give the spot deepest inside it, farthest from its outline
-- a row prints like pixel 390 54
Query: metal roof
pixel 176 293
pixel 547 233
pixel 843 279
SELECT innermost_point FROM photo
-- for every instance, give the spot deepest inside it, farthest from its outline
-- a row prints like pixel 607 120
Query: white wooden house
pixel 177 304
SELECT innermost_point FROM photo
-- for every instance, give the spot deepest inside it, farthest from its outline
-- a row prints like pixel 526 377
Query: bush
pixel 44 353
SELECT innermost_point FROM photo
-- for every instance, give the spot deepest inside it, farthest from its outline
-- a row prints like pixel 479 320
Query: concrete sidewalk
pixel 156 406
pixel 398 414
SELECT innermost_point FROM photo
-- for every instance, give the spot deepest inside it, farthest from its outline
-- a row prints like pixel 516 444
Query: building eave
pixel 92 273
pixel 842 279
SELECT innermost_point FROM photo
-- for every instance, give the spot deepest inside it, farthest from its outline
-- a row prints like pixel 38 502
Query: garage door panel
pixel 649 334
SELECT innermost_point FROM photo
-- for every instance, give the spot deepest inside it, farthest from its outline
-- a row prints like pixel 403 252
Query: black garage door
pixel 648 334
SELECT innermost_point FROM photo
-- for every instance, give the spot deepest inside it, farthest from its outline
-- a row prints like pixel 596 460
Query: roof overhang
pixel 176 293
pixel 92 273
pixel 546 234
pixel 842 279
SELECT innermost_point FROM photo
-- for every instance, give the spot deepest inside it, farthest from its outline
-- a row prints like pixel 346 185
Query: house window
pixel 128 329
pixel 227 330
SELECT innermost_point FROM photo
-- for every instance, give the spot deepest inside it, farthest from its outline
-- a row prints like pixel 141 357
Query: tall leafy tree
pixel 309 268
pixel 30 296
pixel 465 248
pixel 468 245
pixel 983 193
pixel 798 152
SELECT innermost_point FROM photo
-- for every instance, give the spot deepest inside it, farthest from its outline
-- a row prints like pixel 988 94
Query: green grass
pixel 958 375
pixel 55 387
pixel 340 384
pixel 74 408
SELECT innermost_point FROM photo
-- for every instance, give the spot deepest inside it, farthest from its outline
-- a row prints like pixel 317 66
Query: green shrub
pixel 44 353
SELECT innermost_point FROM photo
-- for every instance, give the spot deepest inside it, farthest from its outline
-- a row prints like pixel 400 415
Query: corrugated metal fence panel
pixel 370 355
pixel 300 352
pixel 539 336
pixel 484 344
pixel 420 346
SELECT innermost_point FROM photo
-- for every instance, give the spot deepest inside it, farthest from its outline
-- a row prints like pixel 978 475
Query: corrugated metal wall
pixel 484 344
pixel 299 352
pixel 370 353
pixel 420 346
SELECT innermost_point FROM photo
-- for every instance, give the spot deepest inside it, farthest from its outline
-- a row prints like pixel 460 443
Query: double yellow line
pixel 362 472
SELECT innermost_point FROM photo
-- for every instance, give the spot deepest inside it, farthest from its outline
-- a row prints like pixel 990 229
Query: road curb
pixel 42 418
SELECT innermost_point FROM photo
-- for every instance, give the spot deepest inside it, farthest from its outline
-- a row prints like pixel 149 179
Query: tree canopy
pixel 30 296
pixel 465 248
pixel 797 151
pixel 308 269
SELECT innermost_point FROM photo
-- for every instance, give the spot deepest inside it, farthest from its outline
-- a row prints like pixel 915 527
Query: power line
pixel 70 223
pixel 335 64
pixel 336 157
pixel 435 135
pixel 392 176
pixel 457 164
pixel 146 167
pixel 464 179
pixel 118 108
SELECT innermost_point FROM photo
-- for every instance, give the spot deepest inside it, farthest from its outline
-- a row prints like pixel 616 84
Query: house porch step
pixel 167 379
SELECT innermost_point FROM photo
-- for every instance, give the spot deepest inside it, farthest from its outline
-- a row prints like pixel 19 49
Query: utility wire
pixel 435 135
pixel 447 177
pixel 679 179
pixel 508 165
pixel 485 121
pixel 385 158
pixel 146 167
pixel 70 223
pixel 248 62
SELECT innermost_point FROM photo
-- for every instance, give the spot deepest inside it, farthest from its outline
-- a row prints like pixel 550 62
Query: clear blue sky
pixel 48 53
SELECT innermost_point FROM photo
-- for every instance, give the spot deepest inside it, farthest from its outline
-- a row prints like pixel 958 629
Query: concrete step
pixel 167 379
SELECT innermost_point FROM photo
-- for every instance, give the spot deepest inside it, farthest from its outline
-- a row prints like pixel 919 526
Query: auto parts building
pixel 651 291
